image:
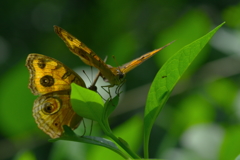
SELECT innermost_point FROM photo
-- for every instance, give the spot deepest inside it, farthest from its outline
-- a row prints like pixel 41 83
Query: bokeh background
pixel 201 119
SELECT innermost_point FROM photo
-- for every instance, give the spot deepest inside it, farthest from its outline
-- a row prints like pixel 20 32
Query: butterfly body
pixel 113 75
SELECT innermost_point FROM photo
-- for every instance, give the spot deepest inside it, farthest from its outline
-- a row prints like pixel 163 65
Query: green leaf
pixel 86 103
pixel 167 78
pixel 110 106
pixel 200 24
pixel 69 135
pixel 89 104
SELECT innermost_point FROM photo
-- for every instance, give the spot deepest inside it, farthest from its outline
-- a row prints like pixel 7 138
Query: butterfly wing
pixel 53 110
pixel 51 79
pixel 49 75
pixel 87 55
pixel 136 62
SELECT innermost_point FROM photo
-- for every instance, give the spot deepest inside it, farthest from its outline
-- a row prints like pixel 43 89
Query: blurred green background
pixel 200 120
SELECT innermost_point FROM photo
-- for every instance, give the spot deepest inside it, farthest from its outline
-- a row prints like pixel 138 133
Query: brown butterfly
pixel 113 75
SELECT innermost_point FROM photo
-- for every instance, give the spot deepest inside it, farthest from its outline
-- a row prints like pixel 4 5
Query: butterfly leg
pixel 91 128
pixel 84 125
pixel 108 89
pixel 117 91
pixel 93 86
pixel 102 97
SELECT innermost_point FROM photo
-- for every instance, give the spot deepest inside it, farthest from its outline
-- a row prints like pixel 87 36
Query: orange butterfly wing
pixel 87 55
pixel 49 75
pixel 136 62
pixel 53 110
pixel 51 80
pixel 114 75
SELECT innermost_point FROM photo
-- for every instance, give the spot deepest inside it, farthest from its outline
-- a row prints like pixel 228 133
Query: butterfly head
pixel 117 79
pixel 120 76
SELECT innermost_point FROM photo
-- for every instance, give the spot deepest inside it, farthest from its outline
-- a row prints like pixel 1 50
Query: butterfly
pixel 52 80
pixel 113 75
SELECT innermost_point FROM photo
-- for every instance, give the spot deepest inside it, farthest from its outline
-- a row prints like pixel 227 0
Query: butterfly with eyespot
pixel 52 80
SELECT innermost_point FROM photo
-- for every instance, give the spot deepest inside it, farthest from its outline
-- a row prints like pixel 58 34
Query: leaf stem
pixel 145 148
pixel 125 147
pixel 107 130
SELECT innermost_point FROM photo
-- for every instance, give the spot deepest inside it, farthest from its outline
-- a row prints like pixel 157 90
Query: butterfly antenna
pixel 93 85
pixel 105 59
pixel 86 75
pixel 118 66
pixel 91 72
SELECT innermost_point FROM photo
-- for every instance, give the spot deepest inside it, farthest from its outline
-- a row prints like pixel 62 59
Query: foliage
pixel 89 105
pixel 199 121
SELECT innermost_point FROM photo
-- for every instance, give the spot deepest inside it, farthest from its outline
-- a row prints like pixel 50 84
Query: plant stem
pixel 107 130
pixel 126 148
pixel 122 154
pixel 145 148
